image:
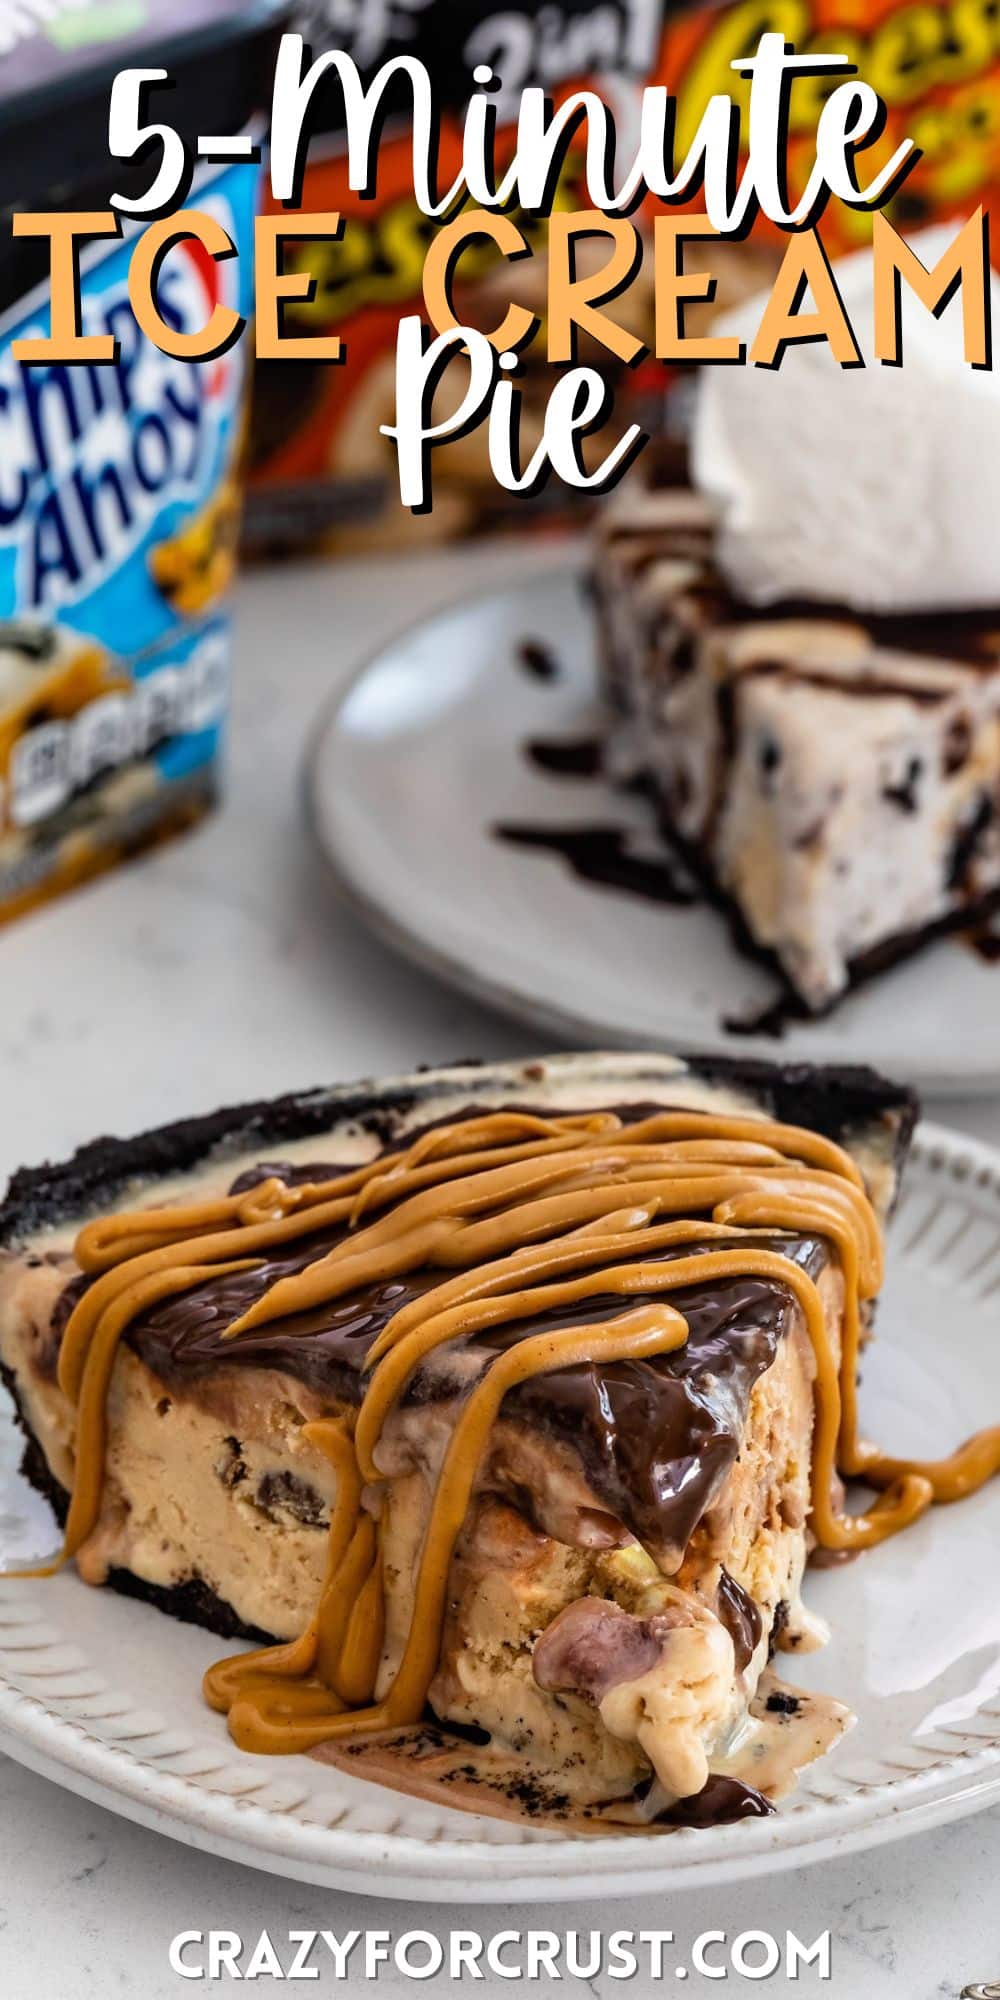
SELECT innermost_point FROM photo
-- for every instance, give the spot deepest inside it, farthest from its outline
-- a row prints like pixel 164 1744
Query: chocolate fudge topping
pixel 719 1803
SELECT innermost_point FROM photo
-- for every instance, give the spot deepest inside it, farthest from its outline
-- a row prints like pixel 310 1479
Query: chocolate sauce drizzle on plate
pixel 454 1766
pixel 599 854
pixel 538 660
pixel 567 757
pixel 722 1801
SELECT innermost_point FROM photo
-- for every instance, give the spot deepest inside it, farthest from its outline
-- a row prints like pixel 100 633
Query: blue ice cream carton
pixel 119 482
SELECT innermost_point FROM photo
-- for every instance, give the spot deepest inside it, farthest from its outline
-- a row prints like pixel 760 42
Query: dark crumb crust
pixel 836 1101
pixel 102 1170
pixel 194 1602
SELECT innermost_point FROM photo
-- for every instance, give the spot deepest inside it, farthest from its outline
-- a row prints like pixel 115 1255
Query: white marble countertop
pixel 223 967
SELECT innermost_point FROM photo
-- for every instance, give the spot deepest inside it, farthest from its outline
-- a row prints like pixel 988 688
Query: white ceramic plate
pixel 102 1695
pixel 425 754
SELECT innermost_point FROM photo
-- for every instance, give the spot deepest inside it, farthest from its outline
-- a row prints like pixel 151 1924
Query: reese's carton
pixel 322 476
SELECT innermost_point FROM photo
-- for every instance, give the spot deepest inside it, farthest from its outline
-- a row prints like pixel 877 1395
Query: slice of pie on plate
pixel 501 1406
pixel 831 777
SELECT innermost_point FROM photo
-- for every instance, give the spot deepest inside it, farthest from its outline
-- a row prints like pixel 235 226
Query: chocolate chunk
pixel 282 1170
pixel 232 1470
pixel 904 795
pixel 780 1703
pixel 284 1493
pixel 957 745
pixel 769 756
pixel 782 1613
pixel 593 1645
pixel 538 660
pixel 811 836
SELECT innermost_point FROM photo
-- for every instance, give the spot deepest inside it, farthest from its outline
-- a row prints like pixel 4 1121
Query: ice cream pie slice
pixel 500 1406
pixel 832 777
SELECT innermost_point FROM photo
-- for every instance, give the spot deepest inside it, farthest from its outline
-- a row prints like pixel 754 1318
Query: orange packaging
pixel 322 476
pixel 934 63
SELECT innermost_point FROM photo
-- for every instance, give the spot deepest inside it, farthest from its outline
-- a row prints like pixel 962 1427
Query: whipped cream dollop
pixel 874 487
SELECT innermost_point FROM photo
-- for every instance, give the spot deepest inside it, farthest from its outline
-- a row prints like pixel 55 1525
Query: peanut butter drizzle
pixel 530 1214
